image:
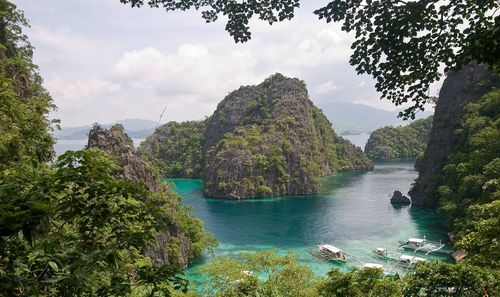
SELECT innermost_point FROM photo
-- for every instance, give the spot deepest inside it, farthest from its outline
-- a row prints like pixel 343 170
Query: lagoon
pixel 352 212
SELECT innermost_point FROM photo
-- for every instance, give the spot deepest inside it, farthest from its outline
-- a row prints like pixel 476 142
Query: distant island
pixel 355 118
pixel 409 141
pixel 262 141
pixel 135 128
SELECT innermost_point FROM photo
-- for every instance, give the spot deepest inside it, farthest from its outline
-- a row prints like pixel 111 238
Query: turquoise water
pixel 351 212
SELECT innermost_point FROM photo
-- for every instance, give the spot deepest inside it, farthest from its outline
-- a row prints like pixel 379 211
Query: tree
pixel 71 228
pixel 91 238
pixel 365 282
pixel 263 273
pixel 442 279
pixel 24 103
pixel 401 43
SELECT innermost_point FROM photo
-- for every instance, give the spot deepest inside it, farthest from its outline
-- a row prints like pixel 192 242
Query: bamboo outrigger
pixel 423 245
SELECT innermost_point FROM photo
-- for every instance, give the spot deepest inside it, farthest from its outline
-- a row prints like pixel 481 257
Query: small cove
pixel 352 212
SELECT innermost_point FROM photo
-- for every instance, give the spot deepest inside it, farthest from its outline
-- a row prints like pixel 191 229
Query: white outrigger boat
pixel 410 261
pixel 329 252
pixel 423 245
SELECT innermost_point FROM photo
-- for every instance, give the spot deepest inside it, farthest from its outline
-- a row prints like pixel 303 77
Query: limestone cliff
pixel 270 140
pixel 175 245
pixel 459 88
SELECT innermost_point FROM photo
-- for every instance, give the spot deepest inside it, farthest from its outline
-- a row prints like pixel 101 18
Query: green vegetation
pixel 70 228
pixel 265 273
pixel 24 103
pixel 469 191
pixel 88 234
pixel 399 142
pixel 402 44
pixel 176 149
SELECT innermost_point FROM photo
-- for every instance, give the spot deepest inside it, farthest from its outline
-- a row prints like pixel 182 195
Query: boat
pixel 380 251
pixel 329 252
pixel 423 245
pixel 372 265
pixel 410 261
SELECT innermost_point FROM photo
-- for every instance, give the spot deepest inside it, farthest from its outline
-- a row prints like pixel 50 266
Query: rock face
pixel 270 140
pixel 399 198
pixel 133 167
pixel 459 88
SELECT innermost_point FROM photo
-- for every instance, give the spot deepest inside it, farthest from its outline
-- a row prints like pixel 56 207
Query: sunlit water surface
pixel 352 212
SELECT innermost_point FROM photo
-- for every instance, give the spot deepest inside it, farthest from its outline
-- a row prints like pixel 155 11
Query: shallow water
pixel 352 212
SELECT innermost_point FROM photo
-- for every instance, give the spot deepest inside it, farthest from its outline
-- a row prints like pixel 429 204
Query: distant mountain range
pixel 135 128
pixel 351 118
pixel 347 118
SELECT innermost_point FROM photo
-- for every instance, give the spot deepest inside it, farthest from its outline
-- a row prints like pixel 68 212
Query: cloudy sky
pixel 103 61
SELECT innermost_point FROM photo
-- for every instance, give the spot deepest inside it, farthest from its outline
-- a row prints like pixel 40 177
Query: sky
pixel 103 61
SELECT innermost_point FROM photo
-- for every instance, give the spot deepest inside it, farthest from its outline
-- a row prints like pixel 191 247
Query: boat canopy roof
pixel 406 258
pixel 373 265
pixel 380 249
pixel 330 248
pixel 416 240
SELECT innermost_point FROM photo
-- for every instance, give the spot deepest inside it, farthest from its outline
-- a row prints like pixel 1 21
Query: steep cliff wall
pixel 270 140
pixel 175 245
pixel 459 88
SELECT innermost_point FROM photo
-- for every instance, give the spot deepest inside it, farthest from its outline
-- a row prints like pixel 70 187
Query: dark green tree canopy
pixel 402 43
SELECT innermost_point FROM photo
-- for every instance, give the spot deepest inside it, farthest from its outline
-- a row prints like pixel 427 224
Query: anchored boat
pixel 423 245
pixel 410 261
pixel 329 252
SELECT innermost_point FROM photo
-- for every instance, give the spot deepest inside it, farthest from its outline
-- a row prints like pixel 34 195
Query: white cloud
pixel 115 62
pixel 326 88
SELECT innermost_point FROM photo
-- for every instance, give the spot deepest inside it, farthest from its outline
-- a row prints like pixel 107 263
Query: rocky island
pixel 262 141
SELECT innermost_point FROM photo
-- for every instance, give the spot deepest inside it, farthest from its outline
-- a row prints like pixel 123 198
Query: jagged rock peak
pixel 119 145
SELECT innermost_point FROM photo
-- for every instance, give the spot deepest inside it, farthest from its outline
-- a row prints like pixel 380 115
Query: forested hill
pixel 262 141
pixel 399 142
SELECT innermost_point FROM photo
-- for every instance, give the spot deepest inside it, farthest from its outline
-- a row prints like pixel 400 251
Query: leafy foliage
pixel 71 228
pixel 24 103
pixel 469 191
pixel 89 242
pixel 267 274
pixel 263 273
pixel 399 142
pixel 402 44
pixel 441 279
pixel 365 282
